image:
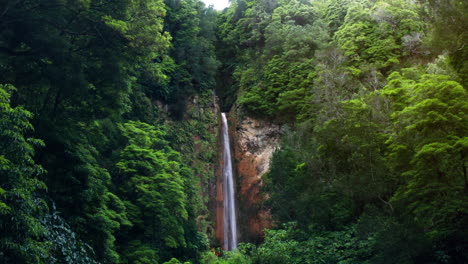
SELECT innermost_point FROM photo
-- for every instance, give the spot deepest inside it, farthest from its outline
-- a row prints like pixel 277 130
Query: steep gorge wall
pixel 254 142
pixel 196 138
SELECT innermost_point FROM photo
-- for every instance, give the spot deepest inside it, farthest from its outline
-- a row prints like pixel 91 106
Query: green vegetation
pixel 89 76
pixel 373 167
pixel 20 210
pixel 108 134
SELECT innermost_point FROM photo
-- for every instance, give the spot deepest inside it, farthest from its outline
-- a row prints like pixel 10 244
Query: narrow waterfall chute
pixel 229 204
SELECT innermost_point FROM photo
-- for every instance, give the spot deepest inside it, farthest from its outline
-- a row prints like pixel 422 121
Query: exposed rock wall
pixel 254 144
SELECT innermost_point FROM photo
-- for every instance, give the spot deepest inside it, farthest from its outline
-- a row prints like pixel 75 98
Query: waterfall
pixel 229 205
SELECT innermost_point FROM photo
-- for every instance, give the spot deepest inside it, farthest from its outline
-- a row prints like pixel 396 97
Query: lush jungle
pixel 105 159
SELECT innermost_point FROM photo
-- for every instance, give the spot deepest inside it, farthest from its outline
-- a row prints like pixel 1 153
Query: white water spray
pixel 229 212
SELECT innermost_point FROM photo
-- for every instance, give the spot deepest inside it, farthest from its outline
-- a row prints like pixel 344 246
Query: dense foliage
pixel 110 188
pixel 108 134
pixel 373 163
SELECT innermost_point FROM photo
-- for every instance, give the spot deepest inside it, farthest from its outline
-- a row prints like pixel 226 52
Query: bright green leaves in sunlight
pixel 21 232
pixel 428 147
pixel 372 34
pixel 108 131
pixel 374 168
pixel 81 68
pixel 153 191
pixel 391 159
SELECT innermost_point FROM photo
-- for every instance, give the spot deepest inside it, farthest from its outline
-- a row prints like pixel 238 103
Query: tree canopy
pixel 108 129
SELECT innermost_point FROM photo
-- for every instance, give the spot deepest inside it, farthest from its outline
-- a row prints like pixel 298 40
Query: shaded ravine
pixel 229 204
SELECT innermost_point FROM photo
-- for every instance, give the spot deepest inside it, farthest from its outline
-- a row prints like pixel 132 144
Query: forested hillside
pixel 90 166
pixel 372 94
pixel 108 128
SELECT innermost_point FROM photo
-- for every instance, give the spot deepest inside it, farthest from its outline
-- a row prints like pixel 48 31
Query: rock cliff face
pixel 254 144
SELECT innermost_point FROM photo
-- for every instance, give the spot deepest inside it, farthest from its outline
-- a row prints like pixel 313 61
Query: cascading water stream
pixel 229 211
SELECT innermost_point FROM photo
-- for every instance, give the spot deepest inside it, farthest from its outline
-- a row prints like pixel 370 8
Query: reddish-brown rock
pixel 254 144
